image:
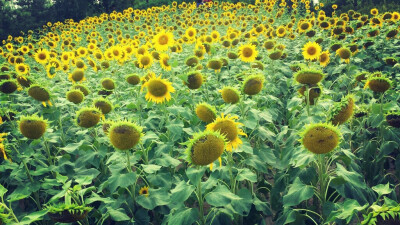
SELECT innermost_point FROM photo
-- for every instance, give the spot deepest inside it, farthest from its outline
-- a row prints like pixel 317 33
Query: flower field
pixel 272 113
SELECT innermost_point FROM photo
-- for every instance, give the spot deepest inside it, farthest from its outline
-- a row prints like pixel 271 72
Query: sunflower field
pixel 223 113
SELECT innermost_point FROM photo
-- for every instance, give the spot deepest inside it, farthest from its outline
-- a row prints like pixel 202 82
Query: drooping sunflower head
pixel 311 51
pixel 77 75
pixel 206 112
pixel 230 95
pixel 103 104
pixel 344 53
pixel 393 119
pixel 163 40
pixel 391 61
pixel 232 55
pixel 361 76
pixel 276 54
pixel 335 46
pixel 88 117
pixel 106 125
pixel 248 53
pixel 253 84
pixel 39 93
pixel 158 89
pixel 193 80
pixel 313 93
pixel 229 128
pixel 308 76
pixel 32 127
pixel 75 96
pixel 108 83
pixel 132 79
pixel 215 64
pixel 320 138
pixel 205 147
pixel 342 111
pixel 8 86
pixel 378 83
pixel 124 135
pixel 192 61
pixel 82 88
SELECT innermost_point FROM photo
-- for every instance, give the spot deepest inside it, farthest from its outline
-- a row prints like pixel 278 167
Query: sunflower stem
pixel 321 169
pixel 35 194
pixel 307 94
pixel 201 203
pixel 128 166
pixel 232 179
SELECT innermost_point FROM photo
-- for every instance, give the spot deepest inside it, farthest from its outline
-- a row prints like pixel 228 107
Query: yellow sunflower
pixel 163 40
pixel 145 61
pixel 311 51
pixel 144 191
pixel 324 58
pixel 228 127
pixel 42 56
pixel 158 89
pixel 164 62
pixel 22 68
pixel 248 53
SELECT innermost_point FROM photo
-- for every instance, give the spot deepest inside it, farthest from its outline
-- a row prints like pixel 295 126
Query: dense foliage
pixel 276 112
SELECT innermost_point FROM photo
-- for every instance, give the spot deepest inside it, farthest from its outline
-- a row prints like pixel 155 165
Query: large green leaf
pixel 195 174
pixel 246 174
pixel 382 189
pixel 118 214
pixel 156 197
pixel 121 180
pixel 221 196
pixel 185 217
pixel 347 211
pixel 181 192
pixel 297 193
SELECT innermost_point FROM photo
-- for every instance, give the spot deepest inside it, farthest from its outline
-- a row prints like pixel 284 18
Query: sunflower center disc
pixel 163 40
pixel 311 50
pixel 157 88
pixel 247 52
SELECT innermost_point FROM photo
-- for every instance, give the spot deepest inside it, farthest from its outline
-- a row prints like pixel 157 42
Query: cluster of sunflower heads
pixel 310 79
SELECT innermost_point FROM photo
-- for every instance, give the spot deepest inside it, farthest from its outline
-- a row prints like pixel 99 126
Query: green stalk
pixel 201 203
pixel 232 179
pixel 307 94
pixel 10 211
pixel 35 194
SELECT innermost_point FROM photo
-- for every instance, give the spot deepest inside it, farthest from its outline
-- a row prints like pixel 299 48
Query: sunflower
pixel 324 58
pixel 193 80
pixel 75 96
pixel 393 119
pixel 40 94
pixel 253 84
pixel 229 128
pixel 158 89
pixel 22 68
pixel 344 53
pixel 378 83
pixel 308 76
pixel 248 53
pixel 144 191
pixel 320 138
pixel 164 62
pixel 51 70
pixel 163 40
pixel 311 51
pixel 8 86
pixel 145 61
pixel 78 75
pixel 32 127
pixel 205 147
pixel 206 112
pixel 42 56
pixel 124 135
pixel 88 117
pixel 230 95
pixel 374 11
pixel 281 31
pixel 342 111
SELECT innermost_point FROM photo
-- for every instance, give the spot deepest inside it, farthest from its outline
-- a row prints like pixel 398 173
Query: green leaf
pixel 3 191
pixel 195 174
pixel 29 219
pixel 72 147
pixel 350 207
pixel 157 197
pixel 297 193
pixel 246 174
pixel 243 205
pixel 151 168
pixel 351 177
pixel 382 189
pixel 221 196
pixel 118 215
pixel 181 192
pixel 184 217
pixel 121 180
